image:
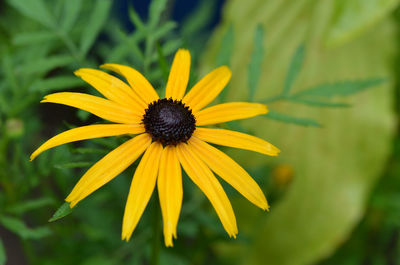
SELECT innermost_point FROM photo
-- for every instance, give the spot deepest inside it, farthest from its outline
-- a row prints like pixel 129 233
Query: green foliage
pixel 95 23
pixel 61 212
pixel 333 168
pixel 43 41
pixel 312 96
pixel 226 48
pixel 36 10
pixel 256 60
pixel 290 119
pixel 17 226
pixel 340 89
pixel 294 69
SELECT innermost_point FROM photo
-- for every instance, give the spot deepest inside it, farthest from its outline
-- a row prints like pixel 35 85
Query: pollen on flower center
pixel 169 121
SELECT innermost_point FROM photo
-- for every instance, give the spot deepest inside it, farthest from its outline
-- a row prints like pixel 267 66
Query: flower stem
pixel 156 233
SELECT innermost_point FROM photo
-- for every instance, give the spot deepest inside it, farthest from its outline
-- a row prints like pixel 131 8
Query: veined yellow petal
pixel 208 88
pixel 170 192
pixel 236 139
pixel 101 107
pixel 142 187
pixel 229 171
pixel 202 176
pixel 136 80
pixel 178 75
pixel 112 88
pixel 229 112
pixel 109 167
pixel 89 132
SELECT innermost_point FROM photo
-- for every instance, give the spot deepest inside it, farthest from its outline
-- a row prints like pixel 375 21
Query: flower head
pixel 169 134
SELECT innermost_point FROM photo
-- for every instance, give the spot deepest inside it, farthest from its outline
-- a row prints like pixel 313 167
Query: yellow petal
pixel 137 81
pixel 202 176
pixel 88 132
pixel 170 192
pixel 208 88
pixel 236 139
pixel 101 107
pixel 112 88
pixel 109 167
pixel 229 112
pixel 142 187
pixel 229 171
pixel 178 75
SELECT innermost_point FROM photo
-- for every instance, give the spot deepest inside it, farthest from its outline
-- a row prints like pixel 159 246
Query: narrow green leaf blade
pixel 44 65
pixel 3 256
pixel 36 10
pixel 18 227
pixel 163 30
pixel 29 205
pixel 55 83
pixel 71 12
pixel 343 89
pixel 318 103
pixel 29 38
pixel 199 18
pixel 95 22
pixel 162 62
pixel 226 49
pixel 256 61
pixel 73 165
pixel 61 212
pixel 294 69
pixel 135 19
pixel 290 119
pixel 155 11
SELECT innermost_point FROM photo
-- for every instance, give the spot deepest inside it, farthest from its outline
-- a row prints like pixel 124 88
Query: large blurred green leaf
pixel 335 166
pixel 355 16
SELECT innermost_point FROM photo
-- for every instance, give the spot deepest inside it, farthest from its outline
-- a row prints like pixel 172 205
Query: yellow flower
pixel 169 136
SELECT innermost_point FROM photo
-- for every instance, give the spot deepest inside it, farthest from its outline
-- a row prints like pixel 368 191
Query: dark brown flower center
pixel 169 121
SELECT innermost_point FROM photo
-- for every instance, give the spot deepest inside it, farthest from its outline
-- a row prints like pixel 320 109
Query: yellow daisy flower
pixel 169 135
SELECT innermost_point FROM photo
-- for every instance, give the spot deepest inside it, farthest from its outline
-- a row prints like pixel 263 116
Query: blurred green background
pixel 328 70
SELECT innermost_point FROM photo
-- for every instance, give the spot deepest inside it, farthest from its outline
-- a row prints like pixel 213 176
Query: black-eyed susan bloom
pixel 169 134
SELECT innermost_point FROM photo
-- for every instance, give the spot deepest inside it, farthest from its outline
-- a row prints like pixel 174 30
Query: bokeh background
pixel 328 70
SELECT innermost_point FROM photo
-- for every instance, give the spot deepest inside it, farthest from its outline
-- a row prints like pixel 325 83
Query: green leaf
pixel 33 204
pixel 135 19
pixel 155 11
pixel 73 165
pixel 163 30
pixel 86 150
pixel 44 65
pixel 318 103
pixel 353 18
pixel 257 57
pixel 343 88
pixel 55 83
pixel 128 46
pixel 199 18
pixel 290 119
pixel 3 256
pixel 171 46
pixel 162 62
pixel 30 38
pixel 36 10
pixel 332 184
pixel 71 12
pixel 294 69
pixel 18 227
pixel 94 25
pixel 61 212
pixel 226 48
